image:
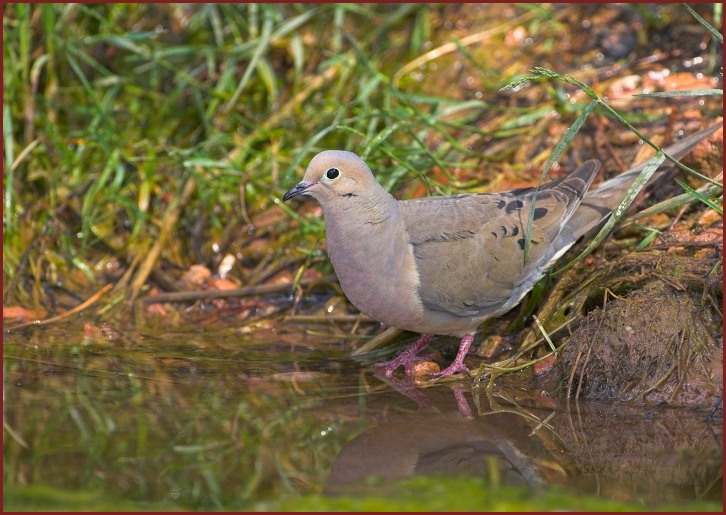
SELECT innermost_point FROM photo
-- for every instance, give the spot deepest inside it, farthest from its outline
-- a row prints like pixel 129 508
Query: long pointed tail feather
pixel 599 202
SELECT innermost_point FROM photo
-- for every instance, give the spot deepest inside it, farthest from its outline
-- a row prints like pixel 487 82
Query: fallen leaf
pixel 196 277
pixel 545 365
pixel 222 284
pixel 21 314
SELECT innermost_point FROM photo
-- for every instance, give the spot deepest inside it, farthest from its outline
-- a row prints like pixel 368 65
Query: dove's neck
pixel 358 224
pixel 373 208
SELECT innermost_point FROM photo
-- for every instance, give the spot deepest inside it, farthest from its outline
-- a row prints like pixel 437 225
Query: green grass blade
pixel 260 49
pixel 9 160
pixel 652 235
pixel 24 32
pixel 707 190
pixel 710 203
pixel 716 34
pixel 683 93
pixel 568 137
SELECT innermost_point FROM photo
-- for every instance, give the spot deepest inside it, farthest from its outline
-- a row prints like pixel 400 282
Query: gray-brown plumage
pixel 443 265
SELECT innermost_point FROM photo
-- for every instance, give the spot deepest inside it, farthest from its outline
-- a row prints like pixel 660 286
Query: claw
pixel 452 369
pixel 407 358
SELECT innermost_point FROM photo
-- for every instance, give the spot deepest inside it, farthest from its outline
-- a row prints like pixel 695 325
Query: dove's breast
pixel 376 268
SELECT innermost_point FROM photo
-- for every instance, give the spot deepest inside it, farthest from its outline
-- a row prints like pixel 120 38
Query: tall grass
pixel 109 110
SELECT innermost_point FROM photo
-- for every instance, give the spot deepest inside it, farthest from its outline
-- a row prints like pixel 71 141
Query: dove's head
pixel 334 175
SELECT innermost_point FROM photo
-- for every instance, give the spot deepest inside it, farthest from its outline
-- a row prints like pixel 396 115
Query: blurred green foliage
pixel 109 109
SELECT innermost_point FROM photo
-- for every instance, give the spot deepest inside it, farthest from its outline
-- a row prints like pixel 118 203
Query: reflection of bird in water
pixel 432 442
pixel 519 437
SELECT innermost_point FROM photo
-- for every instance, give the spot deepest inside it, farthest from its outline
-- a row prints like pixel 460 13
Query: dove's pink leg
pixel 458 364
pixel 407 357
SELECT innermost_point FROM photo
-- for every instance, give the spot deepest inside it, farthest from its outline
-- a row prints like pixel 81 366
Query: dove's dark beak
pixel 300 189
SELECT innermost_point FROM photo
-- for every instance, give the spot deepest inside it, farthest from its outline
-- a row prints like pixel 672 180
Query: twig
pixel 186 296
pixel 381 339
pixel 15 435
pixel 321 319
pixel 93 298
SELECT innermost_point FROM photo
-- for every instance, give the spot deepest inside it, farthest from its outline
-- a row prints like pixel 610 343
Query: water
pixel 217 419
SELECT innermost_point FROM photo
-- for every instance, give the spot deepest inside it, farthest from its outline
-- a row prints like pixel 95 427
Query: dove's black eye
pixel 332 173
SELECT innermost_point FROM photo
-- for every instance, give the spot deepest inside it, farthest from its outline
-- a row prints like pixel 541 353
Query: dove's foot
pixel 458 364
pixel 407 358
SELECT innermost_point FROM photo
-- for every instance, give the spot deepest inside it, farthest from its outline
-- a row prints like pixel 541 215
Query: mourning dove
pixel 445 264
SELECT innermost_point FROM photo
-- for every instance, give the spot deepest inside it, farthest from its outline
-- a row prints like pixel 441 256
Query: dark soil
pixel 659 338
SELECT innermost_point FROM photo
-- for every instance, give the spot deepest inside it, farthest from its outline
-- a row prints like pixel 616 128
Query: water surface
pixel 232 419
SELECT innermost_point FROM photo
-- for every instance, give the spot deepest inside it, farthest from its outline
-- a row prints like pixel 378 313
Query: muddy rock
pixel 644 326
pixel 655 345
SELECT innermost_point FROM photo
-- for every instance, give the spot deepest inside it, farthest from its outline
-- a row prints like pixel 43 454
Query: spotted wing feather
pixel 469 249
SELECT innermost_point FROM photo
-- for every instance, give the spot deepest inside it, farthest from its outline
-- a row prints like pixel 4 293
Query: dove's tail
pixel 599 202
